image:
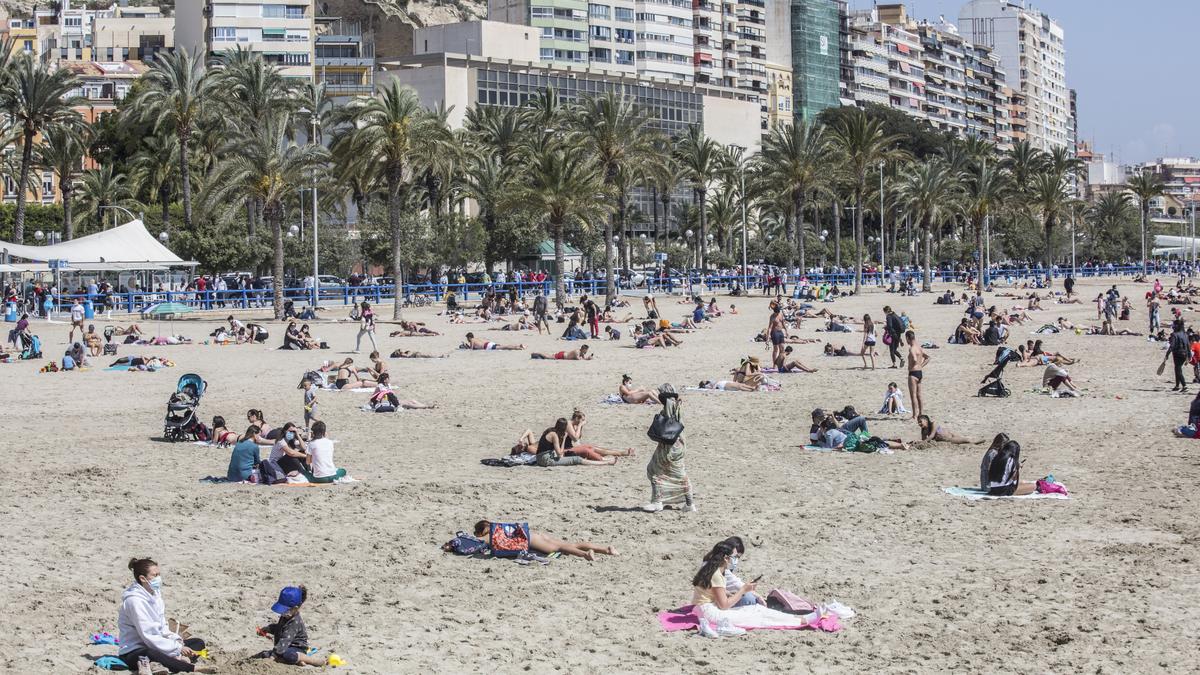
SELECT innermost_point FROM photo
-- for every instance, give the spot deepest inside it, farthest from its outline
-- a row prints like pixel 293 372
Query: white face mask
pixel 733 563
pixel 155 584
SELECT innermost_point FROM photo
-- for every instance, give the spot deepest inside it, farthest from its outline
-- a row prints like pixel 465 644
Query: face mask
pixel 156 583
pixel 733 563
pixel 291 435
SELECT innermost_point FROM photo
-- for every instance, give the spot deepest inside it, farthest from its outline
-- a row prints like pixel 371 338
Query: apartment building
pixel 343 57
pixel 281 31
pixel 987 96
pixel 899 45
pixel 1030 47
pixel 808 36
pixel 945 61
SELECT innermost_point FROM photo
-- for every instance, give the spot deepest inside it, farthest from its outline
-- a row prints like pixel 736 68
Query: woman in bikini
pixel 410 354
pixel 575 445
pixel 412 329
pixel 346 373
pixel 546 544
pixel 221 435
pixel 629 394
pixel 726 385
pixel 383 390
pixel 526 444
pixel 748 373
pixel 868 345
pixel 931 432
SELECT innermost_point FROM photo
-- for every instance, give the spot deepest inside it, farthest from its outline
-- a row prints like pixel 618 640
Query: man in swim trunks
pixel 777 332
pixel 580 354
pixel 917 360
pixel 474 343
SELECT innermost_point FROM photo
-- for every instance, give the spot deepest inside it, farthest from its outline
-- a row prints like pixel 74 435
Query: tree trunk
pixel 702 248
pixel 927 281
pixel 68 219
pixel 251 217
pixel 858 240
pixel 837 233
pixel 26 160
pixel 185 178
pixel 1049 229
pixel 979 252
pixel 164 200
pixel 393 184
pixel 274 216
pixel 560 263
pixel 798 207
pixel 654 208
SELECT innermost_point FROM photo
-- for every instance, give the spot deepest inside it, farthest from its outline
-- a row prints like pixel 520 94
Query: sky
pixel 1132 64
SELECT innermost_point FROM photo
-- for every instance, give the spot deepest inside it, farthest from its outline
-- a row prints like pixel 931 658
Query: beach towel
pixel 976 494
pixel 110 663
pixel 612 399
pixel 817 448
pixel 683 618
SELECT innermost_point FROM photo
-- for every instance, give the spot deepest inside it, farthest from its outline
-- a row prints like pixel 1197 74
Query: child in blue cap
pixel 289 633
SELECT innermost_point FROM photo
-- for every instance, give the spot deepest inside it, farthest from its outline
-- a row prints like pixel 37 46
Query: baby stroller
pixel 31 347
pixel 110 349
pixel 181 422
pixel 1004 356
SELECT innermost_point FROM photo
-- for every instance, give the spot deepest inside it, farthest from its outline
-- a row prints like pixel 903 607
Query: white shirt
pixel 77 312
pixel 321 450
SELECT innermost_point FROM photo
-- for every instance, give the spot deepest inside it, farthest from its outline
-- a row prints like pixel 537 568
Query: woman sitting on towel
pixel 290 452
pixel 629 394
pixel 265 434
pixel 732 582
pixel 383 390
pixel 1058 379
pixel 244 457
pixel 719 611
pixel 1000 470
pixel 292 339
pixel 552 449
pixel 346 373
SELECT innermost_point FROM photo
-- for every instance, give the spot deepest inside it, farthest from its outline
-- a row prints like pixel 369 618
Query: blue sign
pixel 56 264
pixel 660 257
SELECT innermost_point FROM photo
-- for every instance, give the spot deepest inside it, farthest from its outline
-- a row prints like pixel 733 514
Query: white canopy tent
pixel 1177 246
pixel 125 247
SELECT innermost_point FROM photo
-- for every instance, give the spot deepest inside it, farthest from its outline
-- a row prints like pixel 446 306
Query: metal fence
pixel 136 302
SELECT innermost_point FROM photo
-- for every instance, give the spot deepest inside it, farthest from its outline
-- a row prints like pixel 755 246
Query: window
pixel 224 35
pixel 273 34
pixel 598 11
pixel 28 45
pixel 47 187
pixel 547 54
pixel 625 35
pixel 623 14
pixel 601 33
pixel 73 22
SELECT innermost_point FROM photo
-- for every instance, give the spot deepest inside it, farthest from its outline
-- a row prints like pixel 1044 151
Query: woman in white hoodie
pixel 142 624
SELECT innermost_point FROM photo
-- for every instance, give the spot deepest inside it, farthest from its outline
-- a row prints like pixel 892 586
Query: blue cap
pixel 289 598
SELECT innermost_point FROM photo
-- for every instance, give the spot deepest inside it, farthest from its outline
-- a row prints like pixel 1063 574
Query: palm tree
pixel 1049 196
pixel 99 188
pixel 663 175
pixel 617 132
pixel 1145 186
pixel 385 134
pixel 796 158
pixel 702 162
pixel 176 92
pixel 62 150
pixel 928 191
pixel 985 187
pixel 565 185
pixel 1023 162
pixel 864 145
pixel 725 214
pixel 34 98
pixel 266 166
pixel 155 171
pixel 1109 217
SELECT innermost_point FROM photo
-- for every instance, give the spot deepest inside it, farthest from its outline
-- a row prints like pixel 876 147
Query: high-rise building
pixel 987 96
pixel 811 32
pixel 1030 47
pixel 282 33
pixel 898 44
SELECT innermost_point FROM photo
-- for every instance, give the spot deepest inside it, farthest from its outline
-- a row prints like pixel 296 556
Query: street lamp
pixel 39 235
pixel 742 172
pixel 881 227
pixel 314 118
pixel 164 237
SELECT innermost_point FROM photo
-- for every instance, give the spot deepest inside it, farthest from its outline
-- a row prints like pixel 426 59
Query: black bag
pixel 995 388
pixel 270 473
pixel 665 429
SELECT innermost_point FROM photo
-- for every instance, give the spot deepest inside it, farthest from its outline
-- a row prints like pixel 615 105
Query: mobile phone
pixel 756 579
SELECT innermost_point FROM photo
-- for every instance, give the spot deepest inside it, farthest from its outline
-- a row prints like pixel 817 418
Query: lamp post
pixel 881 223
pixel 742 173
pixel 313 118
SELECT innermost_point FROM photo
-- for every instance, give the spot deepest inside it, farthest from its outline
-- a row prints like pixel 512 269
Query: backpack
pixel 995 388
pixel 464 544
pixel 271 473
pixel 790 603
pixel 509 540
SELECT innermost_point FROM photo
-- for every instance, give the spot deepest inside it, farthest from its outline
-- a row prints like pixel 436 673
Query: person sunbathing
pixel 526 444
pixel 412 329
pixel 726 385
pixel 630 394
pixel 575 445
pixel 475 344
pixel 936 432
pixel 346 373
pixel 138 362
pixel 580 354
pixel 306 337
pixel 410 354
pixel 608 317
pixel 545 544
pixel 792 366
pixel 1000 469
pixel 132 329
pixel 655 339
pixel 789 340
pixel 378 368
pixel 523 323
pixel 92 338
pixel 1034 302
pixel 383 391
pixel 830 350
pixel 1107 329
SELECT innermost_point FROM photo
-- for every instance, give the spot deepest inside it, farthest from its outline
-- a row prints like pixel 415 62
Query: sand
pixel 1103 582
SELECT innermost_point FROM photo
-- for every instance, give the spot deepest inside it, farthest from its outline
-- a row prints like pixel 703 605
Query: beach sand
pixel 1103 582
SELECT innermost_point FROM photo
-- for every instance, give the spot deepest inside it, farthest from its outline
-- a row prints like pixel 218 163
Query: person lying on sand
pixel 580 354
pixel 475 344
pixel 411 354
pixel 137 361
pixel 938 433
pixel 788 340
pixel 132 329
pixel 832 436
pixel 609 317
pixel 654 339
pixel 636 395
pixel 523 323
pixel 412 329
pixel 726 385
pixel 841 350
pixel 545 544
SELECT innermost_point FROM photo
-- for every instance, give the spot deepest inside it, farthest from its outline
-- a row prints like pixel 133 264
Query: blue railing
pixel 138 301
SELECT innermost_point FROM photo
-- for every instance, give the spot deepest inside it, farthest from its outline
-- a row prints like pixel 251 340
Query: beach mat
pixel 976 494
pixel 675 620
pixel 817 448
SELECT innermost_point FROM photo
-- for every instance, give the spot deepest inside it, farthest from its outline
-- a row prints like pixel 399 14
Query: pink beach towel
pixel 675 620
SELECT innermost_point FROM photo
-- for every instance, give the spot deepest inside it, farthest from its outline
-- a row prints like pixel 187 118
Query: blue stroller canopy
pixel 195 381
